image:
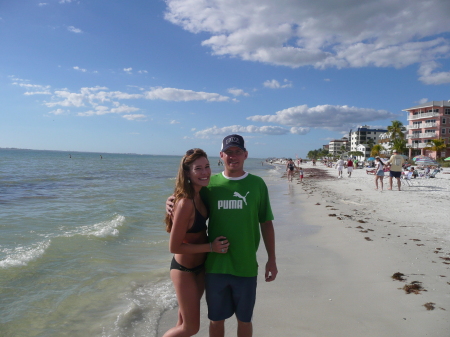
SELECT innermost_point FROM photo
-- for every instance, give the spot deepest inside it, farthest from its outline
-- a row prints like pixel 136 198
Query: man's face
pixel 233 159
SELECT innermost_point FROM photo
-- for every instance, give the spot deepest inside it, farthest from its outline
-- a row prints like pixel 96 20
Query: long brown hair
pixel 183 188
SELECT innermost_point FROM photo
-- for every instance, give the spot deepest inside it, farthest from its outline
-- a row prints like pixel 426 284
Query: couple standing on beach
pixel 238 207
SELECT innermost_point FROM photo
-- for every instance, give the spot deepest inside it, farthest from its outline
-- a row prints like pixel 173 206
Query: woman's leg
pixel 189 288
pixel 381 182
pixel 376 181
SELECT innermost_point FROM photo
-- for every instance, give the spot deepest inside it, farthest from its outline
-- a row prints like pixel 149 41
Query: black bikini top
pixel 199 222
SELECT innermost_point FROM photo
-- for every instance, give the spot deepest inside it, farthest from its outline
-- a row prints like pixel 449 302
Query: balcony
pixel 423 115
pixel 416 145
pixel 422 135
pixel 420 126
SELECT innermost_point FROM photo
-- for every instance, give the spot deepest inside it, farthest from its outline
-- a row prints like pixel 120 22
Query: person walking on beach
pixel 340 167
pixel 349 167
pixel 395 164
pixel 240 210
pixel 189 242
pixel 300 171
pixel 379 172
pixel 290 166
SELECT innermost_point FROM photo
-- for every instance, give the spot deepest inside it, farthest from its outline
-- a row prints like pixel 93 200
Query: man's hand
pixel 169 204
pixel 271 271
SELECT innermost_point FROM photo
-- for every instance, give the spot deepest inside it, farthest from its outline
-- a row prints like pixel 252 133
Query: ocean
pixel 83 250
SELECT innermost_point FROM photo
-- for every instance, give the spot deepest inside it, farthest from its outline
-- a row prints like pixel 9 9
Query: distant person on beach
pixel 290 167
pixel 395 165
pixel 379 172
pixel 349 167
pixel 240 210
pixel 340 167
pixel 189 242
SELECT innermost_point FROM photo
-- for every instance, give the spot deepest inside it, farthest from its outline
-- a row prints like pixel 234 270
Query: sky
pixel 162 77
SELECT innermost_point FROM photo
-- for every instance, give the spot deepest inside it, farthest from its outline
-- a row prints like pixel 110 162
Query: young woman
pixel 379 172
pixel 189 242
pixel 290 166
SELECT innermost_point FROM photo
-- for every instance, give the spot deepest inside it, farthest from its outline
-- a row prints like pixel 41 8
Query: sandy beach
pixel 354 261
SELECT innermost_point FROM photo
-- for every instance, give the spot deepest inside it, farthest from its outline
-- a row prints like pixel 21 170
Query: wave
pixel 22 255
pixel 146 304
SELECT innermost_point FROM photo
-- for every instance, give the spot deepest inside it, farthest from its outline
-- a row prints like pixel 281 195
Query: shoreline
pixel 336 256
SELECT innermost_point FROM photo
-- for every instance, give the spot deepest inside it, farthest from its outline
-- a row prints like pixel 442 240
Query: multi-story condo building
pixel 362 136
pixel 335 146
pixel 428 121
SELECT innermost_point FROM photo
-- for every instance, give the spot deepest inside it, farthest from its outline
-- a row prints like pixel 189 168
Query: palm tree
pixel 376 150
pixel 396 130
pixel 399 144
pixel 437 145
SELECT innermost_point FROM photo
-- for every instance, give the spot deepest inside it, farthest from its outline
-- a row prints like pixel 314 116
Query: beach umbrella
pixel 371 159
pixel 425 161
pixel 447 159
pixel 420 157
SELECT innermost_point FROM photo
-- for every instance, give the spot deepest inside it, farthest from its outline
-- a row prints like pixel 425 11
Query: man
pixel 239 207
pixel 340 167
pixel 349 167
pixel 395 164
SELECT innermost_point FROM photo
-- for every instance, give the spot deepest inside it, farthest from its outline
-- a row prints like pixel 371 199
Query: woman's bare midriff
pixel 193 260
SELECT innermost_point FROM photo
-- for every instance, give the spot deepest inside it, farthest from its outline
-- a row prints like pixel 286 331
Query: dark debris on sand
pixel 414 287
pixel 398 276
pixel 319 174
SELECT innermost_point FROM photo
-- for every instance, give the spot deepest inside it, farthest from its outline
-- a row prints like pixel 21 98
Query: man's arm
pixel 268 234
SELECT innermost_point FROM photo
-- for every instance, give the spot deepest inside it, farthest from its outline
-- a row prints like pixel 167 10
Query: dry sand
pixel 339 242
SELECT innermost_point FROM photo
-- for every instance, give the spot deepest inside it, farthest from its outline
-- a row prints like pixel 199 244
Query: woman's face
pixel 200 172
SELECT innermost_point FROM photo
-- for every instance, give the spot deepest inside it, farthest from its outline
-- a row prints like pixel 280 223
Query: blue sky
pixel 161 77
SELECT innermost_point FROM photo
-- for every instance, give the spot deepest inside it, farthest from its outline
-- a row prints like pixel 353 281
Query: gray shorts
pixel 228 294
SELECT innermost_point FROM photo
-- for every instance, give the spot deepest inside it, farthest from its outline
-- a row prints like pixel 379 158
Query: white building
pixel 363 134
pixel 335 146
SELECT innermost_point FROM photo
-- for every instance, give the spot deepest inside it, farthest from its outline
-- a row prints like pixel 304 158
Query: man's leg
pixel 390 183
pixel 399 183
pixel 216 328
pixel 244 329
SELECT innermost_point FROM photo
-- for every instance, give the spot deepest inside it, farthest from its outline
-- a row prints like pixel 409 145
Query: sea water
pixel 83 249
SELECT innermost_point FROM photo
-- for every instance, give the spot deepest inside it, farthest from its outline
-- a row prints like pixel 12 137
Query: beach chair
pixel 433 174
pixel 407 177
pixel 370 171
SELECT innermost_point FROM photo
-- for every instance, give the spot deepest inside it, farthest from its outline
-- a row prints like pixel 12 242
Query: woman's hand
pixel 169 204
pixel 220 245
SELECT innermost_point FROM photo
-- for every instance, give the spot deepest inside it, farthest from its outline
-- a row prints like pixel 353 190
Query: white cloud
pixel 422 100
pixel 333 117
pixel 237 92
pixel 42 4
pixel 327 80
pixel 428 76
pixel 74 30
pixel 32 89
pixel 267 130
pixel 128 70
pixel 173 121
pixel 321 33
pixel 57 112
pixel 135 117
pixel 274 84
pixel 181 95
pixel 299 130
pixel 143 72
pixel 80 69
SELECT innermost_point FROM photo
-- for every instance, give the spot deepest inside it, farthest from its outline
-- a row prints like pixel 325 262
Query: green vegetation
pixel 319 153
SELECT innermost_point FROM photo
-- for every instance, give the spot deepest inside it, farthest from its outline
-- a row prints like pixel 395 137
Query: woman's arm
pixel 183 216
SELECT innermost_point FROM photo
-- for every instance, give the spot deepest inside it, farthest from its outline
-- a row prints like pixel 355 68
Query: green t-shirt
pixel 236 208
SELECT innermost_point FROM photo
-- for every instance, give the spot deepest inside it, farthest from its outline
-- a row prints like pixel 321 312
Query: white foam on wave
pixel 21 256
pixel 141 315
pixel 102 229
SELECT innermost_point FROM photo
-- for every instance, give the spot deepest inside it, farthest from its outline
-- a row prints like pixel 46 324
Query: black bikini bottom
pixel 196 270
